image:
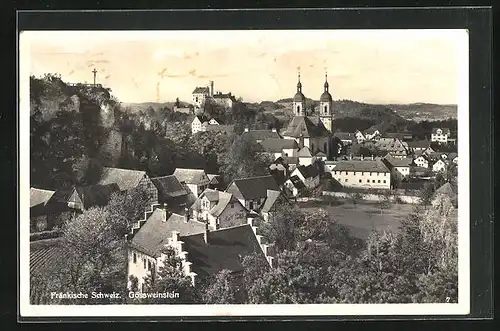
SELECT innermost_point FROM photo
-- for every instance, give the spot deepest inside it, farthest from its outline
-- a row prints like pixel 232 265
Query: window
pixel 134 257
pixel 346 180
pixel 251 204
pixel 370 173
pixel 362 173
pixel 144 262
pixel 196 99
pixel 355 173
pixel 384 181
pixel 373 181
pixel 335 172
pixel 326 109
pixel 379 181
pixel 232 204
pixel 149 265
pixel 360 180
pixel 298 109
pixel 367 180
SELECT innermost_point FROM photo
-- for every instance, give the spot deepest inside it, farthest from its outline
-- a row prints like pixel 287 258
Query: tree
pixel 224 289
pixel 244 159
pixel 169 279
pixel 283 227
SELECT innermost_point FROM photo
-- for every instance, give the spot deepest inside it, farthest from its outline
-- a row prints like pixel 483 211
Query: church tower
pixel 325 107
pixel 299 101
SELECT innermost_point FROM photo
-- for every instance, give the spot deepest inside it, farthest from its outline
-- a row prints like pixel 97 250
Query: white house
pixel 309 175
pixel 371 134
pixel 439 166
pixel 295 185
pixel 421 161
pixel 198 124
pixel 200 94
pixel 440 135
pixel 196 180
pixel 360 137
pixel 400 168
pixel 217 208
pixel 305 156
pixel 368 174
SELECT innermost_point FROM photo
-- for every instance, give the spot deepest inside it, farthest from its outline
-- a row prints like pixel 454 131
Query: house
pixel 400 168
pixel 421 161
pixel 150 235
pixel 200 94
pixel 218 209
pixel 38 215
pixel 215 182
pixel 295 185
pixel 225 100
pixel 278 147
pixel 368 174
pixel 261 135
pixel 371 134
pixel 252 191
pixel 428 150
pixel 439 166
pixel 68 203
pixel 420 172
pixel 346 138
pixel 418 146
pixel 195 179
pixel 273 200
pixel 203 252
pixel 360 137
pixel 309 175
pixel 395 146
pixel 440 135
pixel 199 123
pixel 453 157
pixel 172 193
pixel 129 180
pixel 320 156
pixel 305 156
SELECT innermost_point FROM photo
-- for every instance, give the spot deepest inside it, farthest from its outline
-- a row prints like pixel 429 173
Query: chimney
pixel 205 234
pixel 186 214
pixel 246 129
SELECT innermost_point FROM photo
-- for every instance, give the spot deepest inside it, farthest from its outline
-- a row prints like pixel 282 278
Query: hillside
pixel 143 106
pixel 425 111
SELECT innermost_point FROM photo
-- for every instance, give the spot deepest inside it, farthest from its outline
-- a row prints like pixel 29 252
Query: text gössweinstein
pixel 114 295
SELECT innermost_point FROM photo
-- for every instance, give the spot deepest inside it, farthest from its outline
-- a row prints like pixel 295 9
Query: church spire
pixel 299 84
pixel 326 81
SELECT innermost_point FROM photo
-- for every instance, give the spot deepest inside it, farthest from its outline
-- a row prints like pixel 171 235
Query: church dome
pixel 326 97
pixel 299 97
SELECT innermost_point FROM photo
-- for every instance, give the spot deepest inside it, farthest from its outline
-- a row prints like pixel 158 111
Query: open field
pixel 363 217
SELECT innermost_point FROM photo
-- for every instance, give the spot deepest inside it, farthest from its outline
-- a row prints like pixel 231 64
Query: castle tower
pixel 325 107
pixel 299 101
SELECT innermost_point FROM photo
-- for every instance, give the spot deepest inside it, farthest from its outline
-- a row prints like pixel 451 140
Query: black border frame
pixel 478 20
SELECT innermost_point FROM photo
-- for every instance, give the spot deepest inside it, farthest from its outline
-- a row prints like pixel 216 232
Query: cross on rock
pixel 95 72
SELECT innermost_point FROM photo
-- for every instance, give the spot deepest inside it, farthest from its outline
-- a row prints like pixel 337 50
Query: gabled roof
pixel 214 179
pixel 169 187
pixel 126 179
pixel 96 195
pixel 153 235
pixel 202 89
pixel 278 144
pixel 39 196
pixel 397 162
pixel 261 134
pixel 308 171
pixel 363 166
pixel 45 256
pixel 304 152
pixel 419 143
pixel 272 197
pixel 201 118
pixel 226 249
pixel 191 176
pixel 224 200
pixel 252 187
pixel 61 196
pixel 299 184
pixel 224 96
pixel 302 126
pixel 320 154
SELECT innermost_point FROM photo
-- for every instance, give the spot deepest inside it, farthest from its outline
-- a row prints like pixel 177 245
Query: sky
pixel 373 66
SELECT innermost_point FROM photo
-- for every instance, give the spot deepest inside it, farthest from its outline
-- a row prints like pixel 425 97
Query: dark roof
pixel 419 143
pixel 297 182
pixel 326 97
pixel 153 235
pixel 45 255
pixel 253 187
pixel 61 196
pixel 202 118
pixel 191 176
pixel 226 249
pixel 306 127
pixel 278 144
pixel 308 171
pixel 168 187
pixel 204 90
pixel 96 195
pixel 261 134
pixel 39 196
pixel 363 166
pixel 299 97
pixel 452 155
pixel 126 179
pixel 344 135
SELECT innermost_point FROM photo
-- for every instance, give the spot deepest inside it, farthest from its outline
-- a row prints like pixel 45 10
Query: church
pixel 312 131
